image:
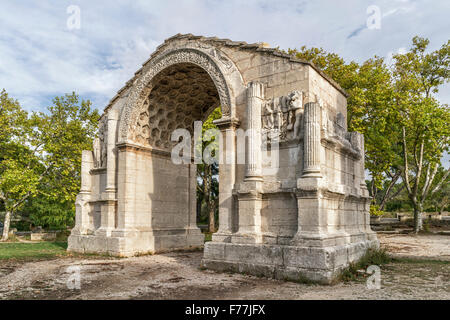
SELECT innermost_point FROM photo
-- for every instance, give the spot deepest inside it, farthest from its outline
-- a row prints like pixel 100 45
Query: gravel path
pixel 178 276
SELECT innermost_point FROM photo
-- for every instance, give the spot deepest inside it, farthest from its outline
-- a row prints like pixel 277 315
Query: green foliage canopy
pixel 40 153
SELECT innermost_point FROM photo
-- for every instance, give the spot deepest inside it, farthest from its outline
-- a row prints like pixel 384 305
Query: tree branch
pixel 405 161
pixel 429 180
pixel 419 170
pixel 438 186
pixel 397 192
pixel 388 190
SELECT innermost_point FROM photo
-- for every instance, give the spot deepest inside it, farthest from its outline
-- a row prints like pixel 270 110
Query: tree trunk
pixel 212 219
pixel 6 226
pixel 418 218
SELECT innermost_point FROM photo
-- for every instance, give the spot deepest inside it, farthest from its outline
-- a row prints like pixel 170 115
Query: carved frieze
pixel 282 117
pixel 214 52
pixel 282 120
pixel 334 131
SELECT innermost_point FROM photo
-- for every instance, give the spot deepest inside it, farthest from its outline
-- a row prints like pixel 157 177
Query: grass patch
pixel 371 257
pixel 10 250
pixel 302 280
pixel 62 236
pixel 208 236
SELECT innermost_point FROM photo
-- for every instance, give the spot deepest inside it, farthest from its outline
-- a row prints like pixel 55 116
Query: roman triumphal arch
pixel 304 213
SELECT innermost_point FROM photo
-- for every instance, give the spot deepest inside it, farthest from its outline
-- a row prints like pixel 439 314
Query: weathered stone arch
pixel 157 64
pixel 308 217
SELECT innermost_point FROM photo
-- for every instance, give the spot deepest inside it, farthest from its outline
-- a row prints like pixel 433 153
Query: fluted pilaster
pixel 361 162
pixel 113 117
pixel 311 164
pixel 255 95
pixel 87 163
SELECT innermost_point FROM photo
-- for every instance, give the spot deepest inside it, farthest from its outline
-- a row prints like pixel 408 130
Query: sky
pixel 49 48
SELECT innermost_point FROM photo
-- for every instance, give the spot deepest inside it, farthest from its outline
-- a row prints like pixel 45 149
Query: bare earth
pixel 178 276
pixel 433 247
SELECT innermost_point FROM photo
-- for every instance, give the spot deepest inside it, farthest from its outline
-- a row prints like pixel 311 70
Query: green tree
pixel 41 153
pixel 207 173
pixel 373 114
pixel 49 213
pixel 17 161
pixel 424 122
pixel 69 126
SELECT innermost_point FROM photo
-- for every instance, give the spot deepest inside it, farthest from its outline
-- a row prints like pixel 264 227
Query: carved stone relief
pixel 282 121
pixel 100 144
pixel 334 129
pixel 281 117
pixel 214 52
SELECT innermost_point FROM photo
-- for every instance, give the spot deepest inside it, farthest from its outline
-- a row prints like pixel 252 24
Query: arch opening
pixel 228 83
pixel 178 96
pixel 168 193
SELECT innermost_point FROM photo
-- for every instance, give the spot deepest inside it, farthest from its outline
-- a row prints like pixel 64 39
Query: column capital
pixel 113 115
pixel 255 89
pixel 227 123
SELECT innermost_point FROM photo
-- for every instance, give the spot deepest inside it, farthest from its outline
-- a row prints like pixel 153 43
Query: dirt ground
pixel 432 247
pixel 178 276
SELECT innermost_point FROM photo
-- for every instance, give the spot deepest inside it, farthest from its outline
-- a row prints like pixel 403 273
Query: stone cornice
pixel 256 47
pixel 96 171
pixel 226 123
pixel 338 145
pixel 126 146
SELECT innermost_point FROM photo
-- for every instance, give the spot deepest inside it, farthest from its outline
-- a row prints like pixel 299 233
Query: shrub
pixel 371 257
pixel 375 210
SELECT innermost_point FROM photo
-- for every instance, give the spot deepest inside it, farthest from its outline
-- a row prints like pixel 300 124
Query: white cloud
pixel 41 58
